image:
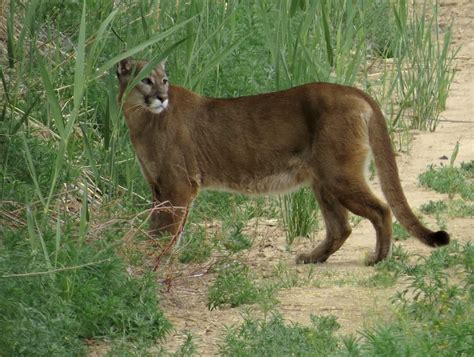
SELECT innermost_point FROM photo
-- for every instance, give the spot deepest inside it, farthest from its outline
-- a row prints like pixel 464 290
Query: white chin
pixel 158 106
pixel 156 110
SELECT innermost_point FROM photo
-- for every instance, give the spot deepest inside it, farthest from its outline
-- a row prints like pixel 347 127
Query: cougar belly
pixel 278 181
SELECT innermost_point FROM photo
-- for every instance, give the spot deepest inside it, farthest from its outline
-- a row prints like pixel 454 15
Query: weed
pixel 300 214
pixel 453 208
pixel 433 207
pixel 97 300
pixel 233 287
pixel 267 300
pixel 451 180
pixel 287 278
pixel 388 271
pixel 273 337
pixel 188 348
pixel 399 232
pixel 433 312
pixel 424 63
pixel 194 246
pixel 235 240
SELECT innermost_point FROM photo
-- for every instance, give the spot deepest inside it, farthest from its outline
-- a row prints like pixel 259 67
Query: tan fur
pixel 318 134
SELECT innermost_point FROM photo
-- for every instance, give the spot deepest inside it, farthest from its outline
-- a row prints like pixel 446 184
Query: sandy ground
pixel 331 288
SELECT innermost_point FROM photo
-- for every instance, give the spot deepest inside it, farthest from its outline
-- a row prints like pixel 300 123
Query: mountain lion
pixel 318 134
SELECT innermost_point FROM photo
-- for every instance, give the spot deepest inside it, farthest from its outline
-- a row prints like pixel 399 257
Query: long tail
pixel 387 170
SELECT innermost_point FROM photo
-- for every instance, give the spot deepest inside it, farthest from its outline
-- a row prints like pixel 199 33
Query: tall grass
pixel 424 69
pixel 299 212
pixel 66 151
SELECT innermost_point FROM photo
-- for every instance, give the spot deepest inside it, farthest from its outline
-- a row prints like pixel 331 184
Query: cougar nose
pixel 161 97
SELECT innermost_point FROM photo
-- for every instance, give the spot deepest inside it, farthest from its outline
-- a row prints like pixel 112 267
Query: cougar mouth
pixel 156 106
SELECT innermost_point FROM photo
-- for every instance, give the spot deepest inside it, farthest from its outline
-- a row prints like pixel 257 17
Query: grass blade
pixel 10 35
pixel 57 241
pixel 77 100
pixel 5 86
pixel 30 224
pixel 84 222
pixel 24 117
pixel 35 235
pixel 53 100
pixel 327 35
pixel 215 61
pixel 99 41
pixel 27 25
pixel 158 37
pixel 79 67
pixel 32 170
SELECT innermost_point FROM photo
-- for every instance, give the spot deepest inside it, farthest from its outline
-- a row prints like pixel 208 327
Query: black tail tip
pixel 439 238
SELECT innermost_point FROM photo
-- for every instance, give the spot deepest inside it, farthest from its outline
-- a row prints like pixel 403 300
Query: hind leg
pixel 337 227
pixel 358 198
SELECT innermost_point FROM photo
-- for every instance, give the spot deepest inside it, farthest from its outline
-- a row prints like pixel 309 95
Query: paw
pixel 309 259
pixel 373 259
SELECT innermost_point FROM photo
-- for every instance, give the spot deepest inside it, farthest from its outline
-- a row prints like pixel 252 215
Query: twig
pixel 55 270
pixel 174 239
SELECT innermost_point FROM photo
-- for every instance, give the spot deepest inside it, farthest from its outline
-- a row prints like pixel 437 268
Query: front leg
pixel 170 207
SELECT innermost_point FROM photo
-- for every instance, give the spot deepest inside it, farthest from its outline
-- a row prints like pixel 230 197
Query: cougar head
pixel 151 93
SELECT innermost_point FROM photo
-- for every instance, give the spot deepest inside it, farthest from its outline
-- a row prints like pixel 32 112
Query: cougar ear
pixel 124 66
pixel 161 66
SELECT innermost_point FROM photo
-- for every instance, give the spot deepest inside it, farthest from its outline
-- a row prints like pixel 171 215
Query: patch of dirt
pixel 331 289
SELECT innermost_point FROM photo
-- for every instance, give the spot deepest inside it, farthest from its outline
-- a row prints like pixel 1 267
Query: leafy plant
pixel 399 232
pixel 273 337
pixel 388 271
pixel 235 240
pixel 187 349
pixel 300 214
pixel 80 292
pixel 424 63
pixel 451 180
pixel 194 246
pixel 233 287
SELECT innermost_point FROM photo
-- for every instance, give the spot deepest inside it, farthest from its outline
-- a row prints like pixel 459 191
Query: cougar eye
pixel 147 81
pixel 164 80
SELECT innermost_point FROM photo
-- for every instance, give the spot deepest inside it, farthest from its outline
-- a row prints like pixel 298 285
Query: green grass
pixel 451 180
pixel 235 240
pixel 194 246
pixel 399 232
pixel 234 286
pixel 300 213
pixel 433 316
pixel 389 271
pixel 425 64
pixel 86 294
pixel 274 337
pixel 73 202
pixel 453 208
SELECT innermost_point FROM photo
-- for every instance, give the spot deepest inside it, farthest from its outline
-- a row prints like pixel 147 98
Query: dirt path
pixel 330 288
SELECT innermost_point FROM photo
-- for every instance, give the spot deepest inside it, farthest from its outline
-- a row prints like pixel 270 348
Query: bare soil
pixel 334 287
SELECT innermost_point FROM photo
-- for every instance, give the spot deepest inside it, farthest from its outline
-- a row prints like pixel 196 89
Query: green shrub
pixel 300 214
pixel 274 337
pixel 434 314
pixel 235 240
pixel 451 180
pixel 52 314
pixel 399 232
pixel 233 287
pixel 194 247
